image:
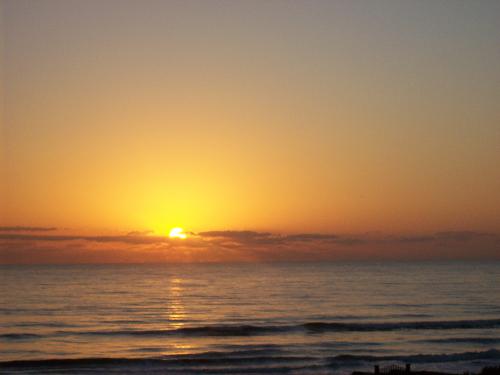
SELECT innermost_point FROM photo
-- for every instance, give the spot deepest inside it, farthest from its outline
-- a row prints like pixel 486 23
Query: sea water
pixel 249 318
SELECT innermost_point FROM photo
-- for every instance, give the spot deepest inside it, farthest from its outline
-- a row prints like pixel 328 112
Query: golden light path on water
pixel 176 313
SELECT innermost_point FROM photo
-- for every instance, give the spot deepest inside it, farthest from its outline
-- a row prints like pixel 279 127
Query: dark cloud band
pixel 27 229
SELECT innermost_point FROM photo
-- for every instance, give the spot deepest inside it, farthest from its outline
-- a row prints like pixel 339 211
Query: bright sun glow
pixel 177 233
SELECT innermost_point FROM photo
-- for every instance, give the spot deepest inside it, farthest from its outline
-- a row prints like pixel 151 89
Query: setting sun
pixel 177 233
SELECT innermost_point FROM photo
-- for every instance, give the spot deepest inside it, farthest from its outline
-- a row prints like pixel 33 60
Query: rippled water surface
pixel 258 318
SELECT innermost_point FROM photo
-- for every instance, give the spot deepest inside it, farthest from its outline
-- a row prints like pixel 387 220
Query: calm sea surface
pixel 259 318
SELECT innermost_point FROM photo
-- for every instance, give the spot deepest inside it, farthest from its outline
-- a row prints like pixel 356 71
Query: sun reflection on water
pixel 176 312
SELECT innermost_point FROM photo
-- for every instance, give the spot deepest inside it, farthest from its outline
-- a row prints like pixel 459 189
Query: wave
pixel 208 360
pixel 395 326
pixel 19 336
pixel 465 340
pixel 253 330
pixel 165 363
pixel 216 330
pixel 311 327
pixel 491 354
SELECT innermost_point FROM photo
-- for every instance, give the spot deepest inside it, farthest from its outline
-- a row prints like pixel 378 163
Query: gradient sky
pixel 269 116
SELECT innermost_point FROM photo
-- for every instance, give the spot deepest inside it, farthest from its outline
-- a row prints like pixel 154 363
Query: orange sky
pixel 282 117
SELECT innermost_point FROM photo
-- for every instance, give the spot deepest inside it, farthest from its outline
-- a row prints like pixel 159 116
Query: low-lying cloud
pixel 23 246
pixel 27 229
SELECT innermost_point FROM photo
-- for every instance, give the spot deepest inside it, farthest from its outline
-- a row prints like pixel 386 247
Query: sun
pixel 177 233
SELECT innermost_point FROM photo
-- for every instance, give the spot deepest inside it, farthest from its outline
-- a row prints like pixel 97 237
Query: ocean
pixel 297 318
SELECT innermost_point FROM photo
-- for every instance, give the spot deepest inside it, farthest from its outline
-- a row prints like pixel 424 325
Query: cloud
pixel 239 237
pixel 131 239
pixel 458 236
pixel 462 235
pixel 235 234
pixel 139 233
pixel 243 246
pixel 311 237
pixel 26 229
pixel 252 237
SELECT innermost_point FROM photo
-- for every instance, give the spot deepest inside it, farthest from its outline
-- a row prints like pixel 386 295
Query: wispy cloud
pixel 27 229
pixel 139 233
pixel 235 234
pixel 458 236
pixel 311 237
pixel 244 245
pixel 131 239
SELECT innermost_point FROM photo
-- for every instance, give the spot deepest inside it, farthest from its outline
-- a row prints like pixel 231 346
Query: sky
pixel 366 129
